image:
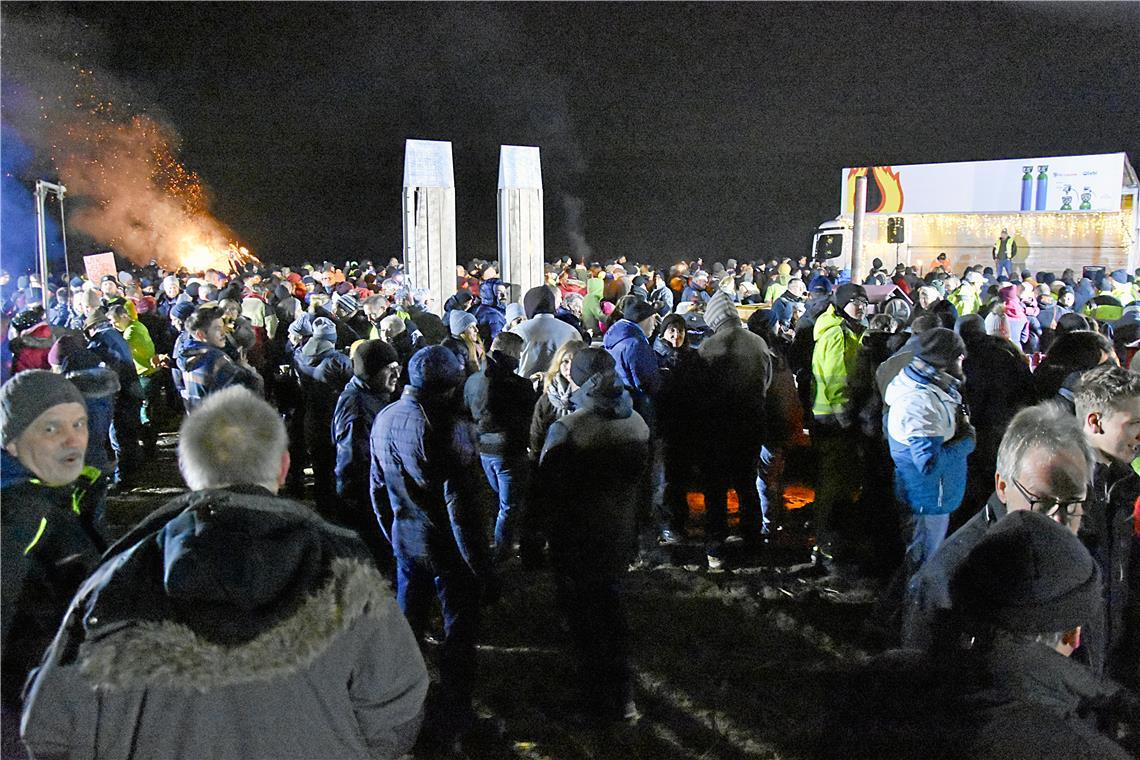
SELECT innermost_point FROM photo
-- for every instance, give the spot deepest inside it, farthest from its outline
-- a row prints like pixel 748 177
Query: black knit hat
pixel 940 347
pixel 639 310
pixel 847 293
pixel 1028 575
pixel 371 356
pixel 589 362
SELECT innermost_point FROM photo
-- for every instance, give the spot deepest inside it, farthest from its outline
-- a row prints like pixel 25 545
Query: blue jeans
pixel 418 581
pixel 508 479
pixel 1004 265
pixel 927 532
pixel 770 485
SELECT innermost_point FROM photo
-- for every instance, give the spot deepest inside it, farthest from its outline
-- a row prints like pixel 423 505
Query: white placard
pixel 519 167
pixel 98 265
pixel 1058 183
pixel 427 163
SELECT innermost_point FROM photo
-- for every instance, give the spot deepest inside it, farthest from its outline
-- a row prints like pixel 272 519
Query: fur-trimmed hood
pixel 96 382
pixel 222 587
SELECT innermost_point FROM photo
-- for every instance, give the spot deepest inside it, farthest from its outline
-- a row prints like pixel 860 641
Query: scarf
pixel 559 394
pixel 926 372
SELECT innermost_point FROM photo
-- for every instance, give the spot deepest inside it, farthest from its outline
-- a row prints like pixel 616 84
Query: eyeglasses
pixel 1051 506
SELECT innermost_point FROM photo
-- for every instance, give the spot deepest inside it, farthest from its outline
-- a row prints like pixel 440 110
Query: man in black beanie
pixel 838 334
pixel 1003 683
pixel 591 524
pixel 423 458
pixel 1021 599
pixel 375 371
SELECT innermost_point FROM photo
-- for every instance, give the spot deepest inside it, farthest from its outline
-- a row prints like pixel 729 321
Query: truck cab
pixel 832 242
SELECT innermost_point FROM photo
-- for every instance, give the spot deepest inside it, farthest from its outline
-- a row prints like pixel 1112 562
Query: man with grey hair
pixel 231 623
pixel 1107 402
pixel 1043 464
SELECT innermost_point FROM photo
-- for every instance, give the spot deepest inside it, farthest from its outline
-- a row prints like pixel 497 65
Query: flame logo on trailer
pixel 884 190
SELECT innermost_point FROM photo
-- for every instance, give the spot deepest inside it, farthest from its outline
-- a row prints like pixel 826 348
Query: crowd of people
pixel 237 621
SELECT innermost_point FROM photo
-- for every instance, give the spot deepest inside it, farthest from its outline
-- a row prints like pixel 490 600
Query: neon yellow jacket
pixel 142 347
pixel 832 361
pixel 1103 312
pixel 1124 292
pixel 965 299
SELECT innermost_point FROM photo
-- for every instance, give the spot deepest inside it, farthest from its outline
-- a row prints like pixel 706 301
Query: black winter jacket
pixel 501 404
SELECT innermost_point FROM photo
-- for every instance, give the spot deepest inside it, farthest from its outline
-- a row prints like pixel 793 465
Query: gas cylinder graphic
pixel 1066 197
pixel 1042 187
pixel 1027 188
pixel 1086 199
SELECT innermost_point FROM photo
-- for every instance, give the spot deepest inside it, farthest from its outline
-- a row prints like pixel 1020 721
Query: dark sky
pixel 708 129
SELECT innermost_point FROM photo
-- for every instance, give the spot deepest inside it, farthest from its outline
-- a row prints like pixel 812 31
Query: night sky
pixel 668 130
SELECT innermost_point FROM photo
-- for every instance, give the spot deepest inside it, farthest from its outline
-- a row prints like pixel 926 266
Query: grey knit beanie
pixel 721 311
pixel 459 320
pixel 29 394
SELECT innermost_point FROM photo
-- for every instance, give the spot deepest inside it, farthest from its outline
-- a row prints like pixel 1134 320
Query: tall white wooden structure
pixel 521 242
pixel 429 219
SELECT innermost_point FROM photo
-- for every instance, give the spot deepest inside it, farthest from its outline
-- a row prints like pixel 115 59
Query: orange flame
pixel 133 192
pixel 888 183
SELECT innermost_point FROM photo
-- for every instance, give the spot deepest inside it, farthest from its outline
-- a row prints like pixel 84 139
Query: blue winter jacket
pixel 109 345
pixel 99 387
pixel 636 363
pixel 423 455
pixel 489 316
pixel 922 430
pixel 783 309
pixel 206 369
pixel 355 411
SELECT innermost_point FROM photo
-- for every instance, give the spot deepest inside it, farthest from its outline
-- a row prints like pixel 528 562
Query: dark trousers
pixel 151 410
pixel 418 582
pixel 736 470
pixel 126 430
pixel 672 506
pixel 322 457
pixel 839 478
pixel 592 605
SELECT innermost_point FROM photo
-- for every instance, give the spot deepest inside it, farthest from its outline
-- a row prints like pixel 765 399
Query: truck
pixel 1062 211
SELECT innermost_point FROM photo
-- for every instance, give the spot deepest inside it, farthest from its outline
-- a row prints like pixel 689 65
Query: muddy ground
pixel 735 664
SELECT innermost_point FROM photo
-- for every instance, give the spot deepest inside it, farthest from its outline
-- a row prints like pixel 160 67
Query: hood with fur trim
pixel 95 382
pixel 222 587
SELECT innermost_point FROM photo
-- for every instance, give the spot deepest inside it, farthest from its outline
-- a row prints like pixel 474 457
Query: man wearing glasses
pixel 1107 402
pixel 1044 464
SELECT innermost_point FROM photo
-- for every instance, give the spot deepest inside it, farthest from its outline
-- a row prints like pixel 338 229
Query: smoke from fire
pixel 126 188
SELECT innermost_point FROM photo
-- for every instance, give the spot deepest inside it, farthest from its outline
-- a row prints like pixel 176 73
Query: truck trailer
pixel 1062 211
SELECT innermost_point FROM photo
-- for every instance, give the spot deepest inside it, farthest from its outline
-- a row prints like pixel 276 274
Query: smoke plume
pixel 575 231
pixel 126 188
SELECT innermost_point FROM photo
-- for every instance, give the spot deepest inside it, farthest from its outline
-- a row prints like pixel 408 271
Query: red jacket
pixel 31 348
